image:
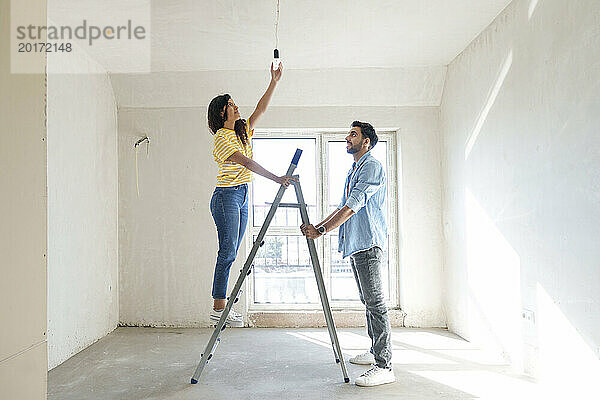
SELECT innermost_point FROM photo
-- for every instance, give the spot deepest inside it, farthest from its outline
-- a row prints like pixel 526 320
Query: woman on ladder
pixel 229 204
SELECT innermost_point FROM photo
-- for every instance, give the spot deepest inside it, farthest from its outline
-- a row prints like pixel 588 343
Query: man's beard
pixel 353 149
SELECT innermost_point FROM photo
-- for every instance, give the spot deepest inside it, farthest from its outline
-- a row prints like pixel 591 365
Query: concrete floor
pixel 157 363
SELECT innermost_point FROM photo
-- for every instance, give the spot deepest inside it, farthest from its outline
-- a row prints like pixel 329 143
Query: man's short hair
pixel 367 131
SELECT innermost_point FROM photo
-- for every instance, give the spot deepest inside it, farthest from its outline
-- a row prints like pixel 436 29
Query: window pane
pixel 283 272
pixel 343 284
pixel 275 155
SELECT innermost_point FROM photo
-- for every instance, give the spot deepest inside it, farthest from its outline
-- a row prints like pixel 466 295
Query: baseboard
pixel 315 319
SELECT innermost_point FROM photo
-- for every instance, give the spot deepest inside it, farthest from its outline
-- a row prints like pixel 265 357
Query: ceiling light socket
pixel 276 60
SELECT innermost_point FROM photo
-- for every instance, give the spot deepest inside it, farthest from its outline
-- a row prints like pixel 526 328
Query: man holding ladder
pixel 362 237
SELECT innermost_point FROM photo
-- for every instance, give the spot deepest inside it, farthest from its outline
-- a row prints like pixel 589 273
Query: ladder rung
pixel 292 205
pixel 289 205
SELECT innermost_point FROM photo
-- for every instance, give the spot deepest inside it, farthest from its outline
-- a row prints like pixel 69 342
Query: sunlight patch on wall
pixel 489 103
pixel 568 367
pixel 493 269
pixel 532 6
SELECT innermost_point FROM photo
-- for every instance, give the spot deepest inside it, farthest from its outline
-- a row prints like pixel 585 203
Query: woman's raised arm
pixel 264 101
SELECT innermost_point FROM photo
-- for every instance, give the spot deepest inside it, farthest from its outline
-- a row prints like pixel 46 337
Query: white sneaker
pixel 376 376
pixel 366 358
pixel 234 320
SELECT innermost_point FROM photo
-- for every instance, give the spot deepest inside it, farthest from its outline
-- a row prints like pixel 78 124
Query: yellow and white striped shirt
pixel 226 143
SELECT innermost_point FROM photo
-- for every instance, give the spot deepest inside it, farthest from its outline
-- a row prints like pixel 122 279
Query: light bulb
pixel 276 60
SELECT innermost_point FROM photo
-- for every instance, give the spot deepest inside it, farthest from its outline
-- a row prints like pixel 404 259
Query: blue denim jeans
pixel 229 208
pixel 366 266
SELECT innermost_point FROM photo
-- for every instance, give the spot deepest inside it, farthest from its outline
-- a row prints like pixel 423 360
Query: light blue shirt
pixel 365 195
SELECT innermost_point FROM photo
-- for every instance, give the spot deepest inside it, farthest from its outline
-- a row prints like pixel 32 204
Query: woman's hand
pixel 285 180
pixel 276 74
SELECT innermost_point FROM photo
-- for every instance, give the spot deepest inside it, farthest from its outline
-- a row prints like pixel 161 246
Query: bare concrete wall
pixel 82 210
pixel 167 236
pixel 520 118
pixel 23 224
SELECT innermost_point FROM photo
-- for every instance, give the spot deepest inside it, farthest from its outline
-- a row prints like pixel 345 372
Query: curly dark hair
pixel 367 131
pixel 216 121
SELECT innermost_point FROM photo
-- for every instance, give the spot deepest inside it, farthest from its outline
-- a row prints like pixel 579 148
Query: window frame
pixel 322 136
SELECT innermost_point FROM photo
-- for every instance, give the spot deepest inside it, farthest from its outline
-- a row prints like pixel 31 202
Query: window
pixel 283 276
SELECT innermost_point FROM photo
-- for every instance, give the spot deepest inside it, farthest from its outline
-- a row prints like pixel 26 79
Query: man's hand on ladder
pixel 310 231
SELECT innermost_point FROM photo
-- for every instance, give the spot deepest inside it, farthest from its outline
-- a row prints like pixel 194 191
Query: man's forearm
pixel 327 219
pixel 337 218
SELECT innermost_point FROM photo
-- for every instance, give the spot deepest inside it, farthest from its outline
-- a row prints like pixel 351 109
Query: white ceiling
pixel 394 52
pixel 193 35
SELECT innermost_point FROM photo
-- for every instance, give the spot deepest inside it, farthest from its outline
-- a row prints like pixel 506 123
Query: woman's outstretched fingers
pixel 276 74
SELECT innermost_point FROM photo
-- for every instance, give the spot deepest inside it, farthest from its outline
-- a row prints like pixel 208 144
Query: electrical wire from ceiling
pixel 276 59
pixel 277 26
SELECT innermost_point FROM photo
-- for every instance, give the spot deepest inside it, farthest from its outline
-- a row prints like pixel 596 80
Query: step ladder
pixel 236 292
